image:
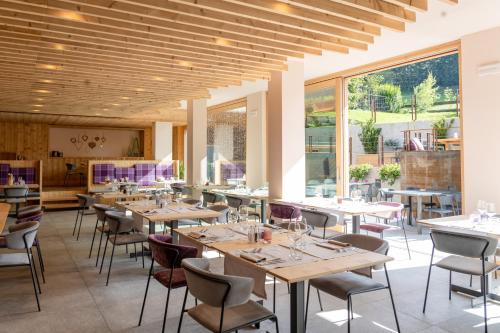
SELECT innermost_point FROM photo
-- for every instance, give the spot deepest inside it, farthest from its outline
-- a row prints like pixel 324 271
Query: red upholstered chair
pixel 169 256
pixel 283 212
pixel 395 215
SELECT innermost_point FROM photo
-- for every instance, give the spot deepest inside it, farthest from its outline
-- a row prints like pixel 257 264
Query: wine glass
pixel 295 233
pixel 491 210
pixel 356 195
pixel 481 206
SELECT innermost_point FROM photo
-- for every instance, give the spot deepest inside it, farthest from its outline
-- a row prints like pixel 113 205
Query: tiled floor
pixel 75 298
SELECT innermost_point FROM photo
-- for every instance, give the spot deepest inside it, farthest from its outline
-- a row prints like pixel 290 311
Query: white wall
pixel 481 119
pixel 196 161
pixel 162 141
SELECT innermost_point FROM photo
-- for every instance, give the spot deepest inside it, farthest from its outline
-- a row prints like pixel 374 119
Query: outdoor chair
pixel 100 210
pixel 171 275
pixel 21 237
pixel 226 304
pixel 281 212
pixel 16 195
pixel 85 203
pixel 121 232
pixel 319 222
pixel 385 194
pixel 347 284
pixel 468 255
pixel 446 206
pixel 379 228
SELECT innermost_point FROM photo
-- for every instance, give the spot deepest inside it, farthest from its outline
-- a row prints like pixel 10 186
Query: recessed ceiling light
pixel 68 15
pixel 97 114
pixel 59 47
pixel 48 66
pixel 42 91
pixel 158 78
pixel 185 63
pixel 38 105
pixel 36 110
pixel 39 99
pixel 46 81
pixel 105 109
pixel 222 41
pixel 140 89
pixel 281 7
pixel 124 97
pixel 115 104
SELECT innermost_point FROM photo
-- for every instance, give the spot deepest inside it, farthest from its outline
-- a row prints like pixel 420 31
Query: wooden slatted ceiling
pixel 138 59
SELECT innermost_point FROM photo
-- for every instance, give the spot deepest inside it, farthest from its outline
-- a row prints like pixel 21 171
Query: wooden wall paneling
pixel 178 142
pixel 148 143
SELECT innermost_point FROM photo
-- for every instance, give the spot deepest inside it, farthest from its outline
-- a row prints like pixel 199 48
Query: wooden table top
pixel 347 207
pixel 299 272
pixel 465 224
pixel 173 211
pixel 256 195
pixel 121 195
pixel 4 212
pixel 30 186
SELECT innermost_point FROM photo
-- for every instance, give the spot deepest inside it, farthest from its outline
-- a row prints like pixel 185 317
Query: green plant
pixel 392 96
pixel 369 136
pixel 426 93
pixel 390 173
pixel 392 143
pixel 181 169
pixel 360 172
pixel 441 127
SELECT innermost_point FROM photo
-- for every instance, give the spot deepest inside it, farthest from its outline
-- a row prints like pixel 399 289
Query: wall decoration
pixel 92 145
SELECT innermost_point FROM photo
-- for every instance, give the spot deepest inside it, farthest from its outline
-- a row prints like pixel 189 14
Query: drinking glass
pixel 356 195
pixel 243 212
pixel 295 234
pixel 491 210
pixel 233 215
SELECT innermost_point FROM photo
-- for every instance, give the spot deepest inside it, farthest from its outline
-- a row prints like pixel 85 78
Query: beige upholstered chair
pixel 100 210
pixel 226 300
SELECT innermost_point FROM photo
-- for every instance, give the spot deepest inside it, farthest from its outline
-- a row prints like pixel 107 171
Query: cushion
pixel 341 285
pixel 145 174
pixel 28 174
pixel 101 171
pixel 465 265
pixel 416 144
pixel 318 233
pixel 4 171
pixel 13 259
pixel 234 317
pixel 125 172
pixel 375 227
pixel 178 277
pixel 122 239
pixel 165 170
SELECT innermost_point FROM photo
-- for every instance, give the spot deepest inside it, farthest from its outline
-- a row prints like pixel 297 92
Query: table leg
pixel 297 307
pixel 175 236
pixel 419 208
pixel 356 220
pixel 410 210
pixel 263 211
pixel 152 228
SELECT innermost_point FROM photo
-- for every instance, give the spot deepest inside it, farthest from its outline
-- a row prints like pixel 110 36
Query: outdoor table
pixel 449 142
pixel 463 223
pixel 419 194
pixel 295 274
pixel 352 208
pixel 260 195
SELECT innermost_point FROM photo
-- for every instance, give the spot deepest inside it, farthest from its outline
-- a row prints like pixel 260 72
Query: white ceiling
pixel 442 23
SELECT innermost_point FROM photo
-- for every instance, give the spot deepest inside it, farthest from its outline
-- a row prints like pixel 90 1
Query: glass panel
pixel 226 146
pixel 320 113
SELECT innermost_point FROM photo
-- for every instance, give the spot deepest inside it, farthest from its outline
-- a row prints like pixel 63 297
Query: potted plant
pixel 390 173
pixel 369 136
pixel 360 172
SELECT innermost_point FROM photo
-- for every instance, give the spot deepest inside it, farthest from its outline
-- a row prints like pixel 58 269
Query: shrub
pixel 426 93
pixel 360 172
pixel 390 173
pixel 441 127
pixel 392 96
pixel 369 136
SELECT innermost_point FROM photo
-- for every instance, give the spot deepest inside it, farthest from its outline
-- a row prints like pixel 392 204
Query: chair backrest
pixel 33 217
pixel 463 244
pixel 177 187
pixel 100 210
pixel 22 235
pixel 223 209
pixel 318 219
pixel 85 201
pixel 446 201
pixel 29 210
pixel 396 213
pixel 167 254
pixel 234 202
pixel 215 289
pixel 190 201
pixel 15 192
pixel 70 167
pixel 118 222
pixel 208 198
pixel 368 243
pixel 286 212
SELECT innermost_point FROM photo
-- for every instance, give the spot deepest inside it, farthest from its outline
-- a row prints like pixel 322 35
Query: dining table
pixel 261 195
pixel 419 195
pixel 355 209
pixel 319 258
pixel 4 213
pixel 468 224
pixel 111 197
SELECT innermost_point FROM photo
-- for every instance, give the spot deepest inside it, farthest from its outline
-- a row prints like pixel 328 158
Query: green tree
pixel 392 96
pixel 426 93
pixel 369 136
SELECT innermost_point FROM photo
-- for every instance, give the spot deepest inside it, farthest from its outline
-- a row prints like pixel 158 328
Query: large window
pixel 320 114
pixel 226 144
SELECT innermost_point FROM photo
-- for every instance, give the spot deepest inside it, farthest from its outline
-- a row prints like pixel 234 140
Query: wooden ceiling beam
pixel 418 5
pixel 383 8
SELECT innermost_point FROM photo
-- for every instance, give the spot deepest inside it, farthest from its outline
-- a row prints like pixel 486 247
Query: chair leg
pixel 135 251
pixel 80 226
pixel 278 326
pixel 142 248
pixel 146 292
pixel 104 253
pixel 406 239
pixel 307 306
pixel 449 288
pixel 319 300
pixel 428 280
pixel 100 243
pixel 352 312
pixel 274 294
pixel 470 282
pixel 182 311
pixel 40 260
pixel 33 280
pixel 166 309
pixel 110 262
pixel 392 299
pixel 93 238
pixel 34 270
pixel 76 220
pixel 349 314
pixel 485 288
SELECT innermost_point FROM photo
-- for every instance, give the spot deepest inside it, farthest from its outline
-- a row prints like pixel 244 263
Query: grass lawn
pixel 386 117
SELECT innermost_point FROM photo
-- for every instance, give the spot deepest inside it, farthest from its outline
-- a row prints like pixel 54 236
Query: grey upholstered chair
pixel 209 198
pixel 85 203
pixel 21 237
pixel 319 221
pixel 100 210
pixel 223 218
pixel 121 232
pixel 226 305
pixel 345 285
pixel 16 195
pixel 469 255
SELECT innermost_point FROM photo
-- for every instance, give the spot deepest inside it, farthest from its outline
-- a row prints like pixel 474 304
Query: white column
pixel 286 133
pixel 256 152
pixel 162 141
pixel 196 165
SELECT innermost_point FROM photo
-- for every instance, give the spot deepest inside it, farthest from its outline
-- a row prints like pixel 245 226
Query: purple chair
pixel 145 174
pixel 102 171
pixel 283 212
pixel 169 257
